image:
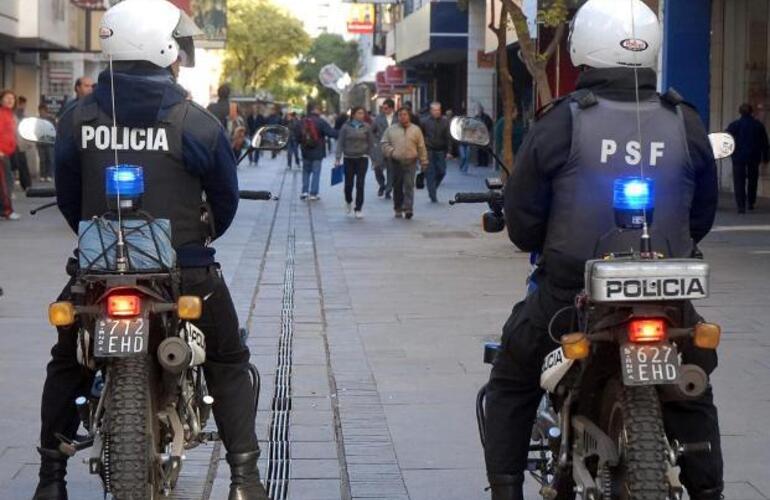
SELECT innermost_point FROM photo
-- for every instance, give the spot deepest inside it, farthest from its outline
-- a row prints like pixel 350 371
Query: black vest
pixel 605 147
pixel 170 192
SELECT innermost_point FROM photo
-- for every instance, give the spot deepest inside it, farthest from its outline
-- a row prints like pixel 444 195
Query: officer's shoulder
pixel 201 124
pixel 197 115
pixel 584 99
pixel 673 99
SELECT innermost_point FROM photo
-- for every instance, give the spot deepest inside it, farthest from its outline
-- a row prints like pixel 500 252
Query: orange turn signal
pixel 189 307
pixel 61 313
pixel 576 345
pixel 707 335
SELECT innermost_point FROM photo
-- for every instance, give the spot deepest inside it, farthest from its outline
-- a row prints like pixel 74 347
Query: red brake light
pixel 123 306
pixel 647 330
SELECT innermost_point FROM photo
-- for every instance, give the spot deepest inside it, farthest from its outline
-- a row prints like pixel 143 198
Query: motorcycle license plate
pixel 650 364
pixel 117 338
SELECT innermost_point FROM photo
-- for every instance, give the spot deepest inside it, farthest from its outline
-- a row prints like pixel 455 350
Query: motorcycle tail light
pixel 576 345
pixel 642 331
pixel 707 335
pixel 61 314
pixel 124 306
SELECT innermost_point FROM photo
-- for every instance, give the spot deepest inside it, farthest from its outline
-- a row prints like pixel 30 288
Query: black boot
pixel 53 468
pixel 507 486
pixel 712 494
pixel 244 477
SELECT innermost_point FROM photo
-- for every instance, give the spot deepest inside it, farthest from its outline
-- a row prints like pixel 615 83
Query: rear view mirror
pixel 270 138
pixel 723 145
pixel 37 130
pixel 469 131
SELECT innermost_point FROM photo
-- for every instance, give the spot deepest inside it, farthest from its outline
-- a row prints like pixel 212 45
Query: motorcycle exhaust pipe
pixel 174 355
pixel 691 384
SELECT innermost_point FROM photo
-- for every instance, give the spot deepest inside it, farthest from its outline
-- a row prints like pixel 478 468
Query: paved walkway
pixel 386 319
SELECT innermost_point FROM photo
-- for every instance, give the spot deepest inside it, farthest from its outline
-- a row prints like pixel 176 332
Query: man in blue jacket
pixel 189 170
pixel 751 149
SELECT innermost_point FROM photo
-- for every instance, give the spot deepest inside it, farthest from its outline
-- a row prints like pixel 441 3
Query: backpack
pixel 310 138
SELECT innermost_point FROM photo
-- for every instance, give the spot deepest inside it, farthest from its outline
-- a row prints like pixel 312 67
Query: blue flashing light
pixel 124 180
pixel 634 193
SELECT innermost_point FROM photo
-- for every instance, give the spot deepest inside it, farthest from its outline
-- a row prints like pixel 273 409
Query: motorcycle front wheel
pixel 632 418
pixel 129 468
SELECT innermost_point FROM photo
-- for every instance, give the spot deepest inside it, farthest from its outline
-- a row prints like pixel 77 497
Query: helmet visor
pixel 184 32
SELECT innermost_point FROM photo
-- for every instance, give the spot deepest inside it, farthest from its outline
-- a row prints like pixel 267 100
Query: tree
pixel 328 49
pixel 506 83
pixel 262 44
pixel 553 15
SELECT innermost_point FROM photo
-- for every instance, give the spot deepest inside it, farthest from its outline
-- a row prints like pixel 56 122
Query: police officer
pixel 559 203
pixel 187 159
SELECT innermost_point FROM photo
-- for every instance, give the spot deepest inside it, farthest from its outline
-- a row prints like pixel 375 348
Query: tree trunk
pixel 506 84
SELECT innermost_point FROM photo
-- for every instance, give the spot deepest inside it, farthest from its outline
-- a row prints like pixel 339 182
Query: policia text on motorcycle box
pixel 552 207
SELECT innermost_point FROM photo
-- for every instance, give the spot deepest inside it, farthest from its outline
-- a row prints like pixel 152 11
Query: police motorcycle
pixel 148 403
pixel 610 443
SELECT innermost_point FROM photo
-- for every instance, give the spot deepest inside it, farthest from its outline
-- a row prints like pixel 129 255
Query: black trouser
pixel 514 392
pixel 355 171
pixel 226 369
pixel 45 153
pixel 383 172
pixel 403 185
pixel 743 172
pixel 19 162
pixel 483 157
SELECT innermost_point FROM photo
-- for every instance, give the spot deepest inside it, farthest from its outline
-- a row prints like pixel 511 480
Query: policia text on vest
pixel 103 138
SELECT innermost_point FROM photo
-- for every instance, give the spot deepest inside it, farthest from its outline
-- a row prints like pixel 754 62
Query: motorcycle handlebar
pixel 472 198
pixel 256 195
pixel 40 192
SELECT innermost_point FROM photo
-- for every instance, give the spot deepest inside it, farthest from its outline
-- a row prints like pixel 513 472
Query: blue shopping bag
pixel 338 175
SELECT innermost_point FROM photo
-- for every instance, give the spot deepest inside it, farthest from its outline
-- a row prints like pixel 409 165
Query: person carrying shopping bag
pixel 356 144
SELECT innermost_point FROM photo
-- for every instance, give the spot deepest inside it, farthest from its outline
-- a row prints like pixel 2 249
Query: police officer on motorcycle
pixel 188 165
pixel 551 207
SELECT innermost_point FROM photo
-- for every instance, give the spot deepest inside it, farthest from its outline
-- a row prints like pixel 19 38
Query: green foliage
pixel 262 44
pixel 328 49
pixel 553 13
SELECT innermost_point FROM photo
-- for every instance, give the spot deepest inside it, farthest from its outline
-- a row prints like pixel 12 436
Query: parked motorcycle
pixel 599 432
pixel 148 403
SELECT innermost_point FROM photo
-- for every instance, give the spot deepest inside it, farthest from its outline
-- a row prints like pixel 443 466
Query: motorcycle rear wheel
pixel 131 467
pixel 632 418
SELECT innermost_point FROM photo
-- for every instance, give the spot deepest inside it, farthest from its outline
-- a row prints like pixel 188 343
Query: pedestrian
pixel 312 136
pixel 356 143
pixel 413 116
pixel 382 166
pixel 221 108
pixel 7 148
pixel 437 140
pixel 404 145
pixel 342 119
pixel 275 118
pixel 254 122
pixel 45 151
pixel 84 86
pixel 19 161
pixel 292 146
pixel 751 149
pixel 483 155
pixel 240 143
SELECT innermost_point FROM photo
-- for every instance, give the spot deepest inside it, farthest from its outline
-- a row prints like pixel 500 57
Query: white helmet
pixel 148 30
pixel 615 33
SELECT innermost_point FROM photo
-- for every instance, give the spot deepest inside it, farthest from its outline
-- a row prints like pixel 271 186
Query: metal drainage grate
pixel 278 446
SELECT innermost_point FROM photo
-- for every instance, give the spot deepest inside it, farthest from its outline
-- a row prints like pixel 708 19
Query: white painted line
pixel 725 229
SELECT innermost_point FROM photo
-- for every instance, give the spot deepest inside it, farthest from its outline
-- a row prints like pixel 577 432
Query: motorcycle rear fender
pixel 555 367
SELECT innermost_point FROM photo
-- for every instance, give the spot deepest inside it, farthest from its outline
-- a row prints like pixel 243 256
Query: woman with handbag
pixel 356 144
